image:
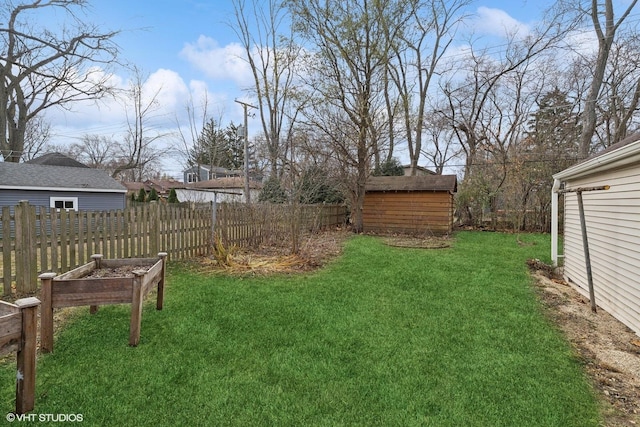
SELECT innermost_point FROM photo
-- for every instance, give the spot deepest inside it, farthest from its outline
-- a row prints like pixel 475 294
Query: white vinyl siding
pixel 613 230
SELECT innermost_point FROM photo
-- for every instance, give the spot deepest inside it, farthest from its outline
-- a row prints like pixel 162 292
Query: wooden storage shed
pixel 612 219
pixel 409 204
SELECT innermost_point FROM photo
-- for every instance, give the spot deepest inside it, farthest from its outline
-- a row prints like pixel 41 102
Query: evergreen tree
pixel 153 195
pixel 272 191
pixel 391 167
pixel 173 197
pixel 142 196
pixel 217 146
pixel 317 187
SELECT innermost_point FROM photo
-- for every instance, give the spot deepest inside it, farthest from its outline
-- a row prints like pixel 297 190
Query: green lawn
pixel 383 336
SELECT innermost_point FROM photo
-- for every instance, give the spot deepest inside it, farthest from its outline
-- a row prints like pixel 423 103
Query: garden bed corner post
pixel 26 358
pixel 46 313
pixel 136 308
pixel 160 296
pixel 97 260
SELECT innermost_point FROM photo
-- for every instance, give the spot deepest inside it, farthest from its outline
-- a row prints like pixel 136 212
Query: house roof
pixel 623 153
pixel 163 185
pixel 133 186
pixel 223 183
pixel 28 176
pixel 413 183
pixel 56 159
pixel 419 168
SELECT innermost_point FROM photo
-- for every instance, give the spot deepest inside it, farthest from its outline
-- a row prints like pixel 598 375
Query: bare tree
pixel 36 138
pixel 353 47
pixel 135 155
pixel 95 151
pixel 43 67
pixel 192 137
pixel 272 55
pixel 617 107
pixel 602 17
pixel 440 144
pixel 428 32
pixel 139 149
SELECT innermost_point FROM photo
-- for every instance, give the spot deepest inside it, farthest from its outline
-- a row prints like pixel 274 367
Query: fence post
pixel 26 359
pixel 6 249
pixel 154 227
pixel 26 267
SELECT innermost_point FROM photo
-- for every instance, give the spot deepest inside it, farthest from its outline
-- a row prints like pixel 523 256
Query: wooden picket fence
pixel 34 240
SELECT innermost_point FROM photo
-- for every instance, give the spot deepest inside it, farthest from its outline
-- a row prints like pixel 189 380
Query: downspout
pixel 554 221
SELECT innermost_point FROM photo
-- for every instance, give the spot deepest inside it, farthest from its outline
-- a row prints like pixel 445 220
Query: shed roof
pixel 413 183
pixel 27 176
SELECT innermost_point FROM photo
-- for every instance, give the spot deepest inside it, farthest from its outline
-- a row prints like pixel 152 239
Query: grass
pixel 383 336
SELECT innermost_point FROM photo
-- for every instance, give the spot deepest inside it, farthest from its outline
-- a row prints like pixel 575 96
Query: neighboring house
pixel 409 204
pixel 205 173
pixel 420 171
pixel 133 187
pixel 68 187
pixel 612 220
pixel 220 190
pixel 162 186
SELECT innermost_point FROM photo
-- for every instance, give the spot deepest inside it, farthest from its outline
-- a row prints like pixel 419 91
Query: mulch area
pixel 609 350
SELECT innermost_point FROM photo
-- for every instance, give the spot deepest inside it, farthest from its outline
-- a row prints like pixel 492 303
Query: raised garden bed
pixel 102 282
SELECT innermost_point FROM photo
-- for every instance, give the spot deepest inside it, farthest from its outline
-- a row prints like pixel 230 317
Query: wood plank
pixel 7 241
pixel 10 329
pixel 91 285
pixel 91 299
pixel 153 275
pixel 73 260
pixel 77 272
pixel 7 308
pixel 115 263
pixel 82 223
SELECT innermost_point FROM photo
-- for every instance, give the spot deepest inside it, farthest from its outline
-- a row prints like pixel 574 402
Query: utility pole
pixel 246 151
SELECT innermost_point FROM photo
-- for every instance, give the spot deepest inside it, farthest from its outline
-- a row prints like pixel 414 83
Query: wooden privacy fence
pixel 41 239
pixel 252 225
pixel 35 240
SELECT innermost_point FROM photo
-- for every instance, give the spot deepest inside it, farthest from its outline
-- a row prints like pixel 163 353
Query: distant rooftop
pixel 56 159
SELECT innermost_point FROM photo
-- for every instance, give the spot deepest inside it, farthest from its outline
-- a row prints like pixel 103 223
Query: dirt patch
pixel 609 350
pixel 418 242
pixel 315 251
pixel 124 271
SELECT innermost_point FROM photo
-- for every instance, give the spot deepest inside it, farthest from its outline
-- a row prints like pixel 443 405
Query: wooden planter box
pixel 73 289
pixel 18 332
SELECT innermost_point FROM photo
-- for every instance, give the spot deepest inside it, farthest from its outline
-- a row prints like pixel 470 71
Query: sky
pixel 188 47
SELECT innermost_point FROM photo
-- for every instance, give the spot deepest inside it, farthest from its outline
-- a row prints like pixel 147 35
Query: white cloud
pixel 497 22
pixel 218 62
pixel 170 92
